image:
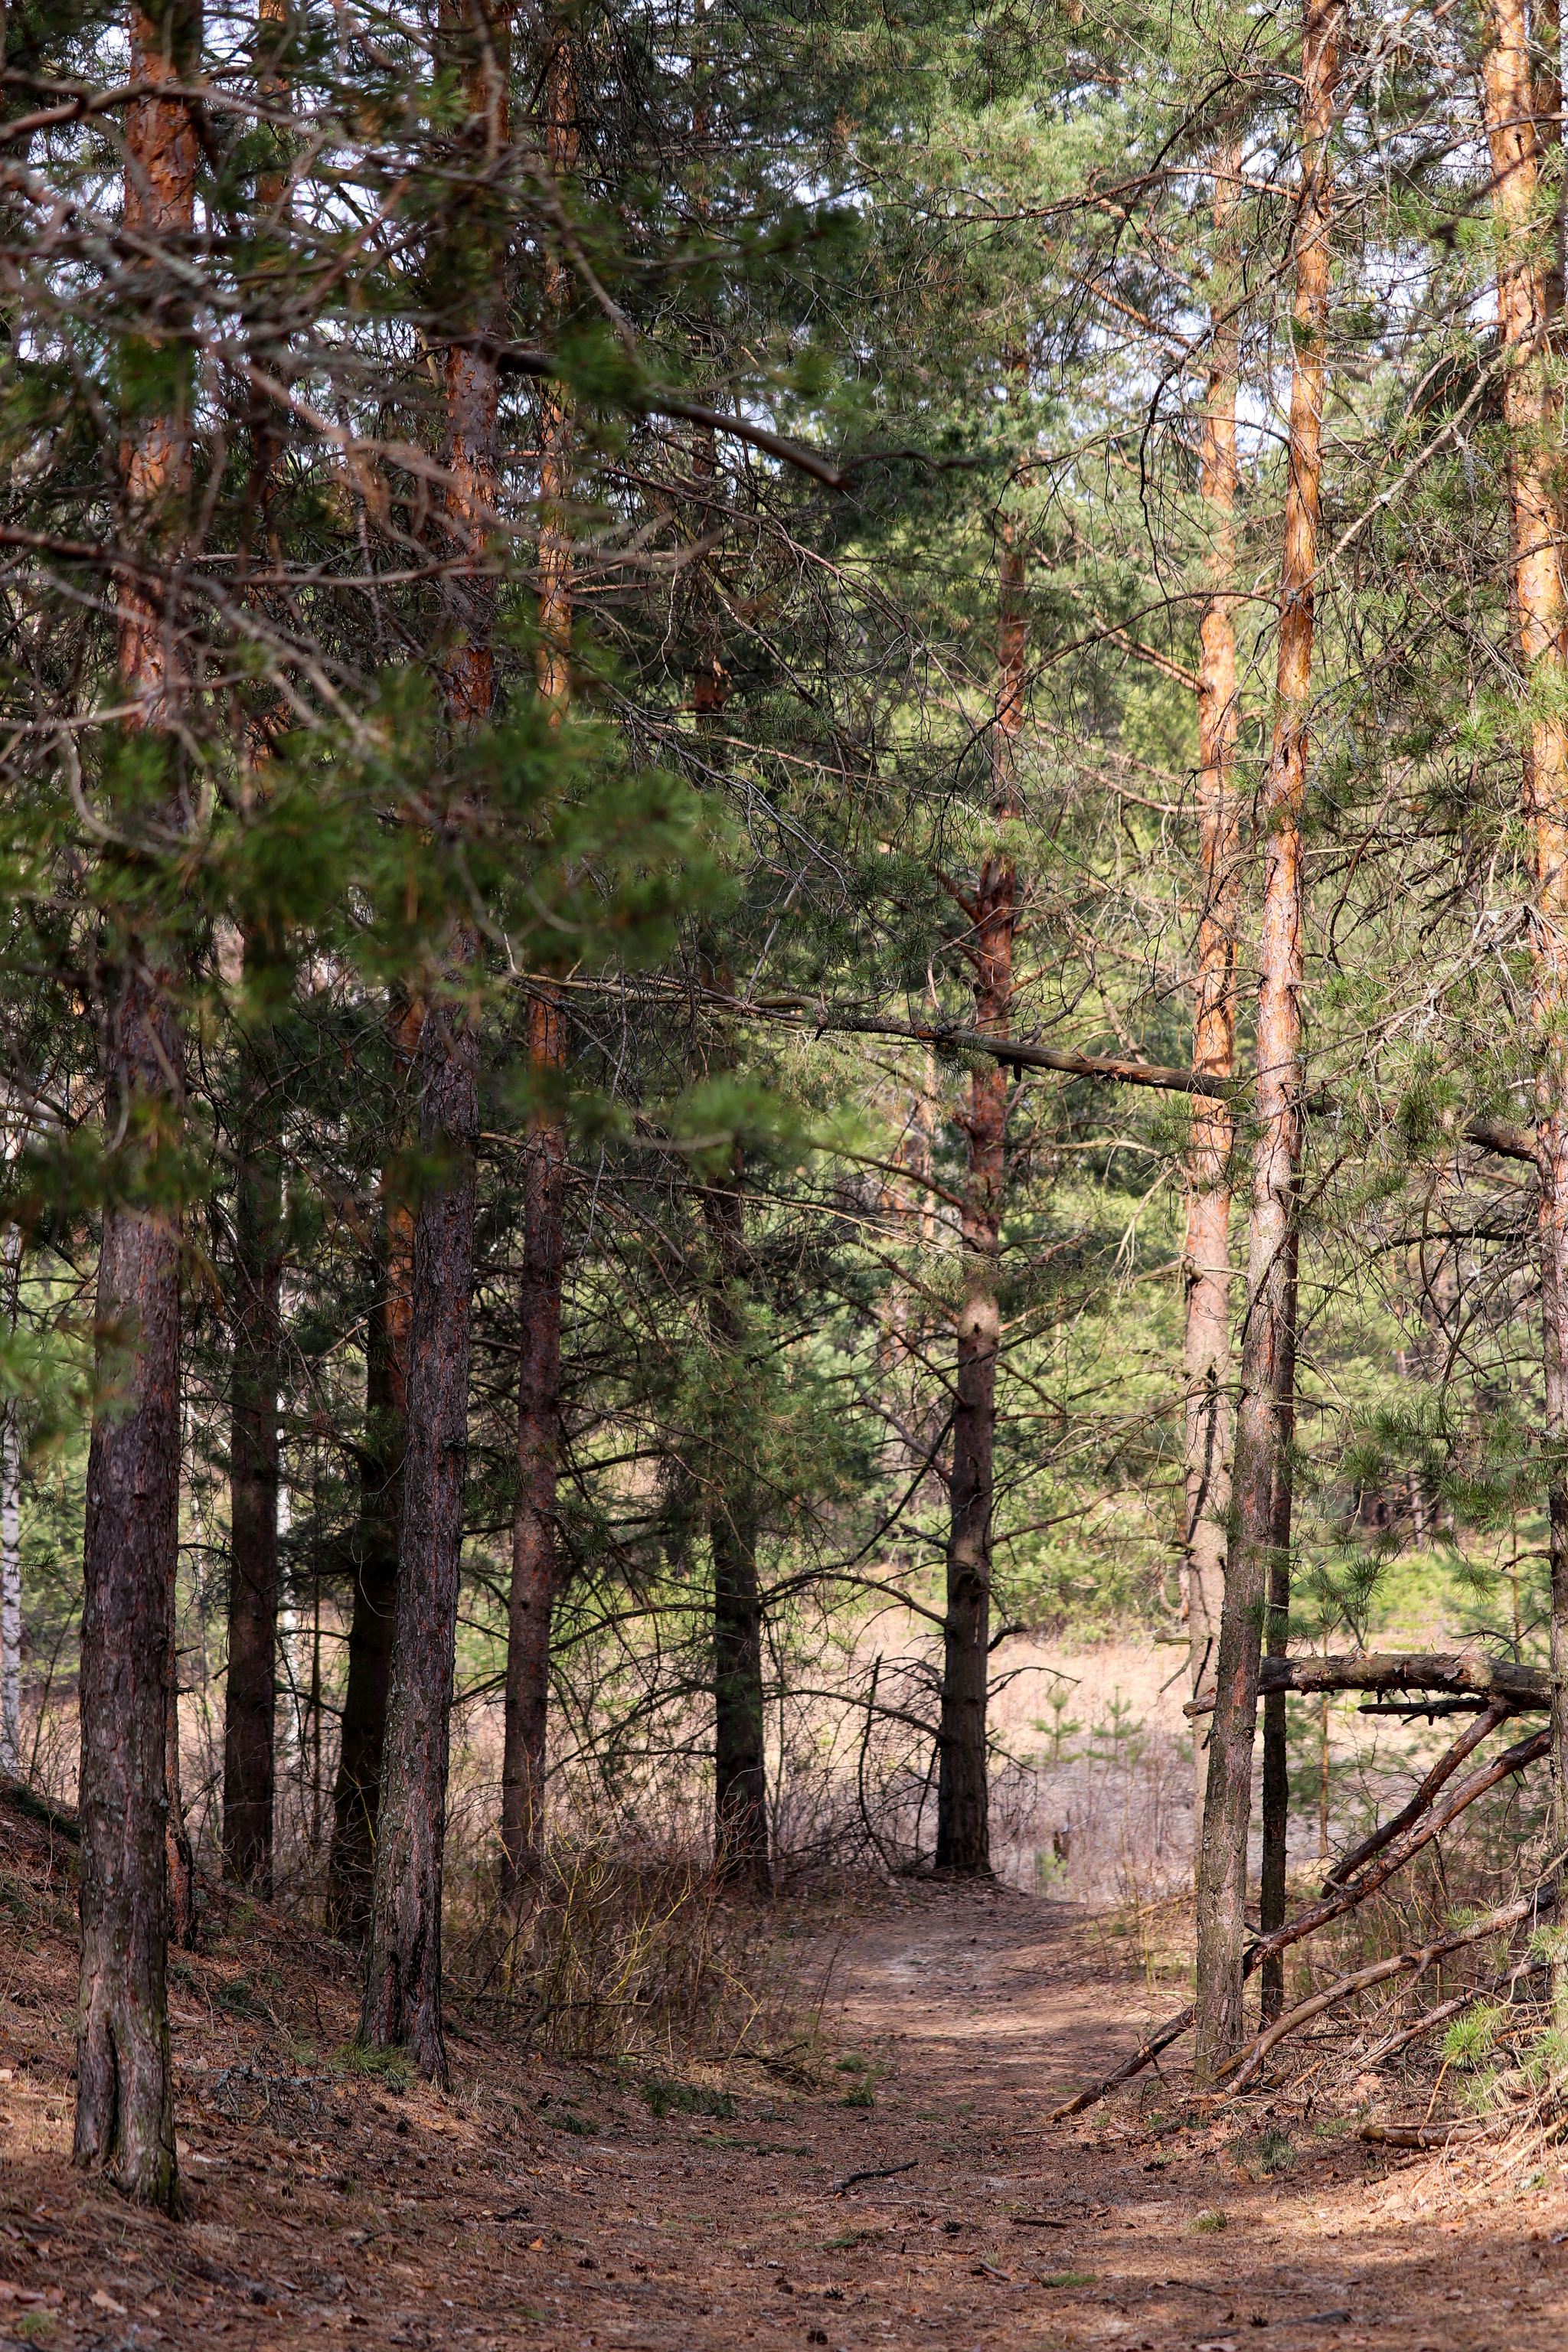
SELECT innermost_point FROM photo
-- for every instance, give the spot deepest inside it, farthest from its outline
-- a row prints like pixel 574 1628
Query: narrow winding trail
pixel 543 2204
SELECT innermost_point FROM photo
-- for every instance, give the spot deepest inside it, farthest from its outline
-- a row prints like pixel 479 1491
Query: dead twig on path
pixel 1423 2134
pixel 887 2172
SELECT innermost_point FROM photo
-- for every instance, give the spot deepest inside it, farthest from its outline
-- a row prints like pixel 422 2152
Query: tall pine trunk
pixel 962 1809
pixel 250 1683
pixel 10 1532
pixel 533 1551
pixel 1518 112
pixel 533 1548
pixel 356 1799
pixel 1276 1749
pixel 741 1794
pixel 1266 1336
pixel 1206 1362
pixel 124 2110
pixel 402 2001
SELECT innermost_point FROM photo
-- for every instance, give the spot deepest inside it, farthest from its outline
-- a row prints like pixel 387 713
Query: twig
pixel 888 2172
pixel 1161 2039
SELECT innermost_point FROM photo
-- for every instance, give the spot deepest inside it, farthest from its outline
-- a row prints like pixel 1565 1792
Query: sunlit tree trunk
pixel 1266 1333
pixel 533 1545
pixel 1207 1359
pixel 963 1810
pixel 402 1979
pixel 1519 90
pixel 124 2111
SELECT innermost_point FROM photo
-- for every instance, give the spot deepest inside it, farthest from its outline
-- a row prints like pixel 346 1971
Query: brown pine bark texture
pixel 739 1774
pixel 356 1798
pixel 124 2111
pixel 249 1687
pixel 962 1812
pixel 1520 106
pixel 533 1553
pixel 534 1556
pixel 1206 1363
pixel 401 2002
pixel 356 1801
pixel 1221 1890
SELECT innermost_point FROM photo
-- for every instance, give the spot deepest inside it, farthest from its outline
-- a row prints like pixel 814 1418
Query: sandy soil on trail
pixel 542 2204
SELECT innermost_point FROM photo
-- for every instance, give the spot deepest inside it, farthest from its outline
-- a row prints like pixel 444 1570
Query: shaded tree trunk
pixel 250 1687
pixel 1206 1362
pixel 1276 1752
pixel 402 1979
pixel 356 1800
pixel 741 1795
pixel 249 1763
pixel 1222 1874
pixel 962 1809
pixel 124 2110
pixel 11 1535
pixel 533 1549
pixel 1529 304
pixel 534 1554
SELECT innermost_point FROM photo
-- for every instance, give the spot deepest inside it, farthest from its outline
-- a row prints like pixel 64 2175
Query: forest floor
pixel 543 2203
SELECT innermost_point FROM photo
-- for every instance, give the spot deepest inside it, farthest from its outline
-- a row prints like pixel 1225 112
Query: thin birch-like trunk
pixel 1265 1336
pixel 1206 1362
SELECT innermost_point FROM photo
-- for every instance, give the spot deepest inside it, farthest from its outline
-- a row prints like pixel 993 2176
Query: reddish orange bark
pixel 1266 1333
pixel 1530 292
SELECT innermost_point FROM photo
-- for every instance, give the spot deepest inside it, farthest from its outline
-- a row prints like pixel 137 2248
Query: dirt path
pixel 543 2204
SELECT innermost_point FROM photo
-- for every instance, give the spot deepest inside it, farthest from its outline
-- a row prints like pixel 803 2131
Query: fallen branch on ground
pixel 1525 1688
pixel 1422 2134
pixel 1245 2063
pixel 888 2172
pixel 1161 2039
pixel 1512 1759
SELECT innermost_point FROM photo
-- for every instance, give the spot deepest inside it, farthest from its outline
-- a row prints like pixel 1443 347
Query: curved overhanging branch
pixel 1452 1672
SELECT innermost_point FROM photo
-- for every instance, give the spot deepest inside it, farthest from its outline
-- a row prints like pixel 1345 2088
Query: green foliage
pixel 665 2096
